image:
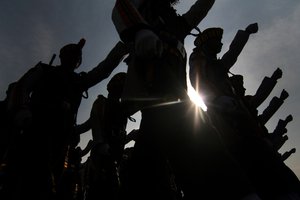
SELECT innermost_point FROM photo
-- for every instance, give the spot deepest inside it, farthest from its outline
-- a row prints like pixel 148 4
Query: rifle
pixel 52 59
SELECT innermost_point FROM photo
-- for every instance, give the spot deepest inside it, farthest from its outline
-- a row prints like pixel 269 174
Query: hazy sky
pixel 32 30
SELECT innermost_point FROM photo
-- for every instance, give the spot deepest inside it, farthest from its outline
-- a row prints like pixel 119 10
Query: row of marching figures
pixel 181 151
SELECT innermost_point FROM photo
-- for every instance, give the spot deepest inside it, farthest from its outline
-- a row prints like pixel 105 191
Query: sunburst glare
pixel 195 97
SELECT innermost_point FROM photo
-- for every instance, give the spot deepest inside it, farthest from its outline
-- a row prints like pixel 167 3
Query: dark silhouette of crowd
pixel 181 151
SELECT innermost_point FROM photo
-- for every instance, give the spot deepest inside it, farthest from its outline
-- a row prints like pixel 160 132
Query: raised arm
pixel 84 127
pixel 265 88
pixel 274 105
pixel 198 12
pixel 104 68
pixel 237 45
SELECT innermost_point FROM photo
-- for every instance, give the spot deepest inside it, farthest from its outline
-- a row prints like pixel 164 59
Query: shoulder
pixel 99 103
pixel 43 66
pixel 100 100
pixel 36 72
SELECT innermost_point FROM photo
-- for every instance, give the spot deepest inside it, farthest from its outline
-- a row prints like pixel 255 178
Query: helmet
pixel 210 33
pixel 71 53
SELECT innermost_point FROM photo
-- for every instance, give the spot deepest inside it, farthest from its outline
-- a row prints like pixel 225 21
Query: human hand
pixel 252 28
pixel 277 74
pixel 284 95
pixel 289 118
pixel 284 131
pixel 147 44
pixel 133 134
pixel 293 150
pixel 121 48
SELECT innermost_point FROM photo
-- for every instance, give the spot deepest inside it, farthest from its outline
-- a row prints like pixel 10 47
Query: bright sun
pixel 196 98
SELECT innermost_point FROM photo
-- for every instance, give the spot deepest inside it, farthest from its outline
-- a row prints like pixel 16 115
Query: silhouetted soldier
pixel 263 91
pixel 238 126
pixel 208 74
pixel 209 77
pixel 253 101
pixel 108 120
pixel 157 84
pixel 287 154
pixel 275 139
pixel 50 96
pixel 265 146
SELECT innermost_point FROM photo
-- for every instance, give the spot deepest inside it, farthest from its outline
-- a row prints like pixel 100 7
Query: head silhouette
pixel 116 84
pixel 210 40
pixel 71 55
pixel 237 82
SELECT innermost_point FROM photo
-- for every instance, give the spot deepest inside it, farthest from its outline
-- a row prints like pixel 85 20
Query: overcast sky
pixel 33 30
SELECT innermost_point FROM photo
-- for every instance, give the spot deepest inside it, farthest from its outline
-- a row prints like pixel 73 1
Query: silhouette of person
pixel 108 120
pixel 263 91
pixel 209 77
pixel 275 139
pixel 49 97
pixel 156 84
pixel 253 101
pixel 238 126
pixel 264 146
pixel 208 74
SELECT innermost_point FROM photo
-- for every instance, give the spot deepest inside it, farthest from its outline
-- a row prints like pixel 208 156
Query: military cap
pixel 210 33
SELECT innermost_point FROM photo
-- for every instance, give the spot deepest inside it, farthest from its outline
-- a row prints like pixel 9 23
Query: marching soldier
pixel 108 120
pixel 238 126
pixel 48 100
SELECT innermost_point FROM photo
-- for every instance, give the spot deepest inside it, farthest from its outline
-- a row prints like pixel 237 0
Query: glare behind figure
pixel 232 118
pixel 157 85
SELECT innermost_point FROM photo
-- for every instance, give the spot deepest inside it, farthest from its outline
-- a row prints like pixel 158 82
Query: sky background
pixel 33 30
